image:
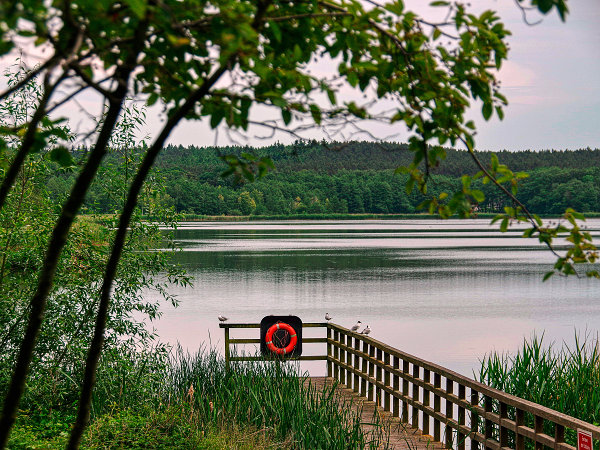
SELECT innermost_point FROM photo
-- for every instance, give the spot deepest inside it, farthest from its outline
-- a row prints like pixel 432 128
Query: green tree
pixel 217 61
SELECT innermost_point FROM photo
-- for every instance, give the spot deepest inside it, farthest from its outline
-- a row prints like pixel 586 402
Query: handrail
pixel 234 341
pixel 486 416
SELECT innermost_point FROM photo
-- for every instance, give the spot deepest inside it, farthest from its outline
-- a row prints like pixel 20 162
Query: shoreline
pixel 316 217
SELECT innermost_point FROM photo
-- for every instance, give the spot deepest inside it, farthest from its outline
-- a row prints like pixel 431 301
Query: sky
pixel 551 80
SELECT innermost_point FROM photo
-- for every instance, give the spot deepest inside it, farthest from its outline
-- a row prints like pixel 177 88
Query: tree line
pixel 350 178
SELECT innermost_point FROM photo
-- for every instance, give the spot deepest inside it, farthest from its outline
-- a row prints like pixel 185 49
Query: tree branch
pixel 95 349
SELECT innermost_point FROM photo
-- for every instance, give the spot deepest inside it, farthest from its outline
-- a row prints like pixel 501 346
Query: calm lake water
pixel 446 291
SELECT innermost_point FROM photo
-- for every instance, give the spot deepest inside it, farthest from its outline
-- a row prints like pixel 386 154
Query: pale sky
pixel 551 79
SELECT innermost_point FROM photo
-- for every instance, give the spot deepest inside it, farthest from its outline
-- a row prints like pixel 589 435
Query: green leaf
pixel 486 110
pixel 548 275
pixel 315 111
pixel 138 7
pixel 62 156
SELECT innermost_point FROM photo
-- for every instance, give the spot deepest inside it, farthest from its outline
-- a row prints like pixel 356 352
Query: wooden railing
pixel 455 410
pixel 231 342
pixel 451 408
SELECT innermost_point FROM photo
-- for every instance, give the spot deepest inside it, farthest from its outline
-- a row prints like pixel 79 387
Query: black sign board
pixel 281 337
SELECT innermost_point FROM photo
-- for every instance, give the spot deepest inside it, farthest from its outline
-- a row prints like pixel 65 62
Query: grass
pixel 193 402
pixel 566 379
pixel 269 396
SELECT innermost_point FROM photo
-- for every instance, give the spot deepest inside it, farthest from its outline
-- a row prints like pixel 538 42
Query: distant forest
pixel 355 177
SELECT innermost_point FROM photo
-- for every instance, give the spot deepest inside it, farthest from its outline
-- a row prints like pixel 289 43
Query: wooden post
pixel 437 382
pixel 396 378
pixel 461 417
pixel 538 424
pixel 356 364
pixel 378 399
pixel 488 431
pixel 503 429
pixel 474 419
pixel 449 413
pixel 415 395
pixel 365 370
pixel 386 381
pixel 371 372
pixel 329 353
pixel 227 349
pixel 426 394
pixel 336 356
pixel 405 392
pixel 519 420
pixel 342 359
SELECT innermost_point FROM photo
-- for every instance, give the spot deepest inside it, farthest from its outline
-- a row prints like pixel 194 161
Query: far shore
pixel 223 218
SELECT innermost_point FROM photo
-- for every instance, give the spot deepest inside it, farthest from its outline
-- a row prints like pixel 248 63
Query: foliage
pixel 566 379
pixel 193 402
pixel 356 179
pixel 217 61
pixel 25 227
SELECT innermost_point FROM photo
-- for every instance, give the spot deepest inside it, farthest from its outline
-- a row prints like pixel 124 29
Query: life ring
pixel 279 350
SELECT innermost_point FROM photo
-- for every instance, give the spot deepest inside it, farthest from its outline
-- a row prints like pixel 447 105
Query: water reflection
pixel 446 291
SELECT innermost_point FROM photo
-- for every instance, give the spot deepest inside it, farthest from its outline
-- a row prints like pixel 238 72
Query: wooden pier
pixel 427 405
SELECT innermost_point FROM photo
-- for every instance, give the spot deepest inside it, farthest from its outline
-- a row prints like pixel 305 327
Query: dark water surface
pixel 446 291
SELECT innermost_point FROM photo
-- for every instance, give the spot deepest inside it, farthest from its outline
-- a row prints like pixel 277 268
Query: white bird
pixel 367 330
pixel 356 327
pixel 328 317
pixel 223 318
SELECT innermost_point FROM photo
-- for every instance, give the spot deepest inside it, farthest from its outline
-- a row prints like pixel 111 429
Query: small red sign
pixel 584 440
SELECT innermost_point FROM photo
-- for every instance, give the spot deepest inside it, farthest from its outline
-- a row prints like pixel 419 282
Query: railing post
pixel 329 353
pixel 371 372
pixel 461 417
pixel 364 370
pixel 342 359
pixel 519 421
pixel 487 406
pixel 538 425
pixel 503 429
pixel 415 396
pixel 426 394
pixel 227 349
pixel 474 419
pixel 356 364
pixel 449 413
pixel 336 356
pixel 437 383
pixel 396 400
pixel 386 382
pixel 379 378
pixel 405 392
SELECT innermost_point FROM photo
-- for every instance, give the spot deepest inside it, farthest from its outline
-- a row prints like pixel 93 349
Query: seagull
pixel 223 318
pixel 328 317
pixel 356 327
pixel 367 330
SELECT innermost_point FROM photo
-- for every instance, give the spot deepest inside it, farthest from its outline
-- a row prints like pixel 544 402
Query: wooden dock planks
pixel 400 435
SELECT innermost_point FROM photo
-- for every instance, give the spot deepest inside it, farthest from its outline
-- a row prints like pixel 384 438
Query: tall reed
pixel 566 379
pixel 270 396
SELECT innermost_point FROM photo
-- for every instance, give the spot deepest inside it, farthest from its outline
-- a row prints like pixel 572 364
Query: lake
pixel 446 291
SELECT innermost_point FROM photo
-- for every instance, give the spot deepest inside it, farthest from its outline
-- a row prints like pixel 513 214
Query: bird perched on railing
pixel 328 317
pixel 223 318
pixel 367 330
pixel 356 327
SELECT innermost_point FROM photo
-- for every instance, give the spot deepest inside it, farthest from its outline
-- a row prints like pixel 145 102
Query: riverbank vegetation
pixel 155 400
pixel 565 378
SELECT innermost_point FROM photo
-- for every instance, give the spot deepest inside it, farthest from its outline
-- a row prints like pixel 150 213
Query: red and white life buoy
pixel 280 350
